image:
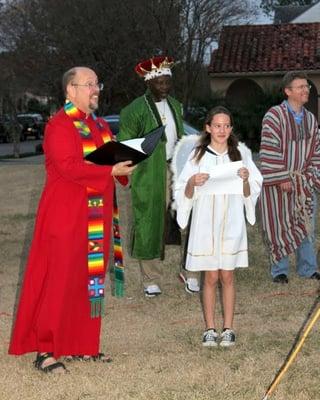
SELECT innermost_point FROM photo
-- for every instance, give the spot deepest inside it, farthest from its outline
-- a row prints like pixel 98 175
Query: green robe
pixel 148 183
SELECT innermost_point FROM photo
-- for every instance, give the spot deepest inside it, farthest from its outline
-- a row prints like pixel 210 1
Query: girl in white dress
pixel 218 238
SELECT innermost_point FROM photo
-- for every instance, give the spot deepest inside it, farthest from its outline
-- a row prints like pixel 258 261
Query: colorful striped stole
pixel 117 270
pixel 96 262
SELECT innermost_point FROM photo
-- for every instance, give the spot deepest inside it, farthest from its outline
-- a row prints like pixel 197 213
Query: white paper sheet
pixel 223 179
pixel 134 144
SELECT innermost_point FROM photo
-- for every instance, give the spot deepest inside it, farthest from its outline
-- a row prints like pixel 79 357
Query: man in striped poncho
pixel 290 165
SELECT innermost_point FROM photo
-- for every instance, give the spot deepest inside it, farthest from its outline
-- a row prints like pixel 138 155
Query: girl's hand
pixel 244 174
pixel 199 179
pixel 195 180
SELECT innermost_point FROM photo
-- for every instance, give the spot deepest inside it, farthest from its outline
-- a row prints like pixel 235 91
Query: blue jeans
pixel 305 258
pixel 305 255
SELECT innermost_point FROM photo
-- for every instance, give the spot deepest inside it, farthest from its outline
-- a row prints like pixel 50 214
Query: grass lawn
pixel 156 343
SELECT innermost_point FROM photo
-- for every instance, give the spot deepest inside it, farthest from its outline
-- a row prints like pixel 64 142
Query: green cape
pixel 148 183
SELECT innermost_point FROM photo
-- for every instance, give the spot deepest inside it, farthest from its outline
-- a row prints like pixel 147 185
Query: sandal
pixel 105 358
pixel 41 358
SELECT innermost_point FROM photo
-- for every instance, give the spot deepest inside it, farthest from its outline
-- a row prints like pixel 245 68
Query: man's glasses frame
pixel 308 87
pixel 90 86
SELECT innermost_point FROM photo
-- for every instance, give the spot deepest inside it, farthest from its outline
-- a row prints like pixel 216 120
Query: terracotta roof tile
pixel 267 48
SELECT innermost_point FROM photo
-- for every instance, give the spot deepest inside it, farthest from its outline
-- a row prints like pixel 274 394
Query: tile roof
pixel 267 48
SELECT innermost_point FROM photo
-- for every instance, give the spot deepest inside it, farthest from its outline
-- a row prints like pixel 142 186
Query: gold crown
pixel 154 65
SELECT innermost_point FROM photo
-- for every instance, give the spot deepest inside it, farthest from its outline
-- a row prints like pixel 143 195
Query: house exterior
pixel 297 14
pixel 252 59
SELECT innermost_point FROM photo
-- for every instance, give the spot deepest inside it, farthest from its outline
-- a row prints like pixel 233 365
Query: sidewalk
pixel 36 159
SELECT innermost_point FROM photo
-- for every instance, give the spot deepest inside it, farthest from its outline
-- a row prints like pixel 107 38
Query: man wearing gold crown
pixel 150 181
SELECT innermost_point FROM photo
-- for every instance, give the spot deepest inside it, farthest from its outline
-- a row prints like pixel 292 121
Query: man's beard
pixel 93 105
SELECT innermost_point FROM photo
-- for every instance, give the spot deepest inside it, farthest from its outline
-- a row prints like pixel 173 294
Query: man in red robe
pixel 53 317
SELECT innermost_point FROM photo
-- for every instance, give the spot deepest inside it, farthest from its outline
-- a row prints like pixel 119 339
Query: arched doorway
pixel 312 104
pixel 243 91
pixel 245 98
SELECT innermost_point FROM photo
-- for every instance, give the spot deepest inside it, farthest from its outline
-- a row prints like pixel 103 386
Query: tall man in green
pixel 150 181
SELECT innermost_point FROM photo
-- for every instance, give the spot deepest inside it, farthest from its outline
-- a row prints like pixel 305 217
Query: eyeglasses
pixel 90 85
pixel 307 87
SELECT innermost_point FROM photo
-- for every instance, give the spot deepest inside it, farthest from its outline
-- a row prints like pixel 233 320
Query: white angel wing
pixel 181 154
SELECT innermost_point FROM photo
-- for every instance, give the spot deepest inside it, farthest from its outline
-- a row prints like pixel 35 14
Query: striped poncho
pixel 289 153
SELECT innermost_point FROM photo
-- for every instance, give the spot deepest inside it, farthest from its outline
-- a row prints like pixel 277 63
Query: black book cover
pixel 112 152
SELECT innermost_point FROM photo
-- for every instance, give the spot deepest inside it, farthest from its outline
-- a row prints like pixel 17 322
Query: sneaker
pixel 228 338
pixel 210 338
pixel 191 285
pixel 281 278
pixel 316 276
pixel 152 290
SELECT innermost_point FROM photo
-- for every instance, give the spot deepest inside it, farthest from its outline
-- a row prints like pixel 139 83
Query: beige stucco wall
pixel 220 83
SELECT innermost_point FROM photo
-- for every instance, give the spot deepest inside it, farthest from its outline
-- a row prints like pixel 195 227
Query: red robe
pixel 54 309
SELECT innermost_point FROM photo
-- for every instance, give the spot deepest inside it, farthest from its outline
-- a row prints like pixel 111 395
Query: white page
pixel 134 144
pixel 223 179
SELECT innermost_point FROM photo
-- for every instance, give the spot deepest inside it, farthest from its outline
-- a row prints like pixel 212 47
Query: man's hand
pixel 286 187
pixel 122 168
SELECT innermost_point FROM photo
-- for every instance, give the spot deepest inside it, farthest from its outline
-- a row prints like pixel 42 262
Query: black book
pixel 135 150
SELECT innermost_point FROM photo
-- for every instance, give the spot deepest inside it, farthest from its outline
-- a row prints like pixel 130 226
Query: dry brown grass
pixel 156 343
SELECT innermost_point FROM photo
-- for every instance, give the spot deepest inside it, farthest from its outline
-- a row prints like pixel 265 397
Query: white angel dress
pixel 218 235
